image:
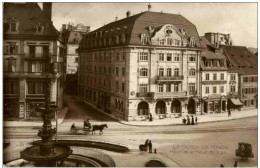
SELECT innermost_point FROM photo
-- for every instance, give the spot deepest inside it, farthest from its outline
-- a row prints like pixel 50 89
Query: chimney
pixel 64 27
pixel 149 7
pixel 128 14
pixel 116 18
pixel 47 9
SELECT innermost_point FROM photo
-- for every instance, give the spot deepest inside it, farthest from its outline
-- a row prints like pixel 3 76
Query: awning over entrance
pixel 236 102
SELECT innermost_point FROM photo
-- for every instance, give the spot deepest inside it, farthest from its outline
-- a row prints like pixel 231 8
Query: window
pixel 144 39
pixel 161 56
pixel 207 76
pixel 168 87
pixel 161 42
pixel 177 57
pixel 32 51
pixel 215 63
pixel 160 88
pixel 123 71
pixel 207 90
pixel 245 79
pixel 214 76
pixel 161 71
pixel 35 87
pixel 214 89
pixel 232 88
pixel 170 41
pixel 176 72
pixel 221 63
pixel 252 102
pixel 11 87
pixel 192 72
pixel 177 42
pixel 232 77
pixel 45 51
pixel 10 48
pixel 192 87
pixel 76 60
pixel 192 58
pixel 143 56
pixel 169 72
pixel 221 89
pixel 117 71
pixel 13 27
pixel 208 63
pixel 10 65
pixel 117 86
pixel 222 76
pixel 123 87
pixel 169 57
pixel 123 57
pixel 143 88
pixel 117 56
pixel 143 72
pixel 176 87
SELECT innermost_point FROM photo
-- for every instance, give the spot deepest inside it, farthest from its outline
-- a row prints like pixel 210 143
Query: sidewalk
pixel 61 117
pixel 178 121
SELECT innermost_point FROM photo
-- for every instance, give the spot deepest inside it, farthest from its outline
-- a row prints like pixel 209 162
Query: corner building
pixel 146 63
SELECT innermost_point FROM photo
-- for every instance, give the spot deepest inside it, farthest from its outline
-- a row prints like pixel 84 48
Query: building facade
pixel 71 36
pixel 32 52
pixel 214 77
pixel 146 63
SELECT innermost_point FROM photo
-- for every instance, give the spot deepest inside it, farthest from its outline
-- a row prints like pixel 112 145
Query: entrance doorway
pixel 160 107
pixel 176 106
pixel 223 105
pixel 192 106
pixel 205 107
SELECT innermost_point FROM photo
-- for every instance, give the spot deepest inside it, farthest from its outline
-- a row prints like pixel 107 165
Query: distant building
pixel 252 50
pixel 218 39
pixel 145 63
pixel 246 64
pixel 32 51
pixel 71 36
pixel 214 76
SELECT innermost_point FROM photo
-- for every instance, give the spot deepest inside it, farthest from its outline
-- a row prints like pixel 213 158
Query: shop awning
pixel 236 102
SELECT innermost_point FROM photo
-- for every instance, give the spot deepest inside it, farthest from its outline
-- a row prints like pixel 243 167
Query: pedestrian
pixel 150 117
pixel 146 144
pixel 150 145
pixel 188 120
pixel 229 113
pixel 196 120
pixel 221 165
pixel 235 164
pixel 192 120
pixel 184 121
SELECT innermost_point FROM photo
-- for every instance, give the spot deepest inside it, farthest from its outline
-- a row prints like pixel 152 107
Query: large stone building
pixel 214 76
pixel 145 63
pixel 32 51
pixel 71 36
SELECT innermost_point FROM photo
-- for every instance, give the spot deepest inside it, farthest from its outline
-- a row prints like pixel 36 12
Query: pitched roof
pixel 138 24
pixel 29 16
pixel 242 58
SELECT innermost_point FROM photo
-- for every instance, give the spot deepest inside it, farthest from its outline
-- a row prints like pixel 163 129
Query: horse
pixel 99 127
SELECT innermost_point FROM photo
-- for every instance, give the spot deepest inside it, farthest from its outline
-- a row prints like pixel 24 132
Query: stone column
pixel 168 109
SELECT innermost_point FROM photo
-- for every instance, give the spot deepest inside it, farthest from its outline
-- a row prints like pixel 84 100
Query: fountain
pixel 46 153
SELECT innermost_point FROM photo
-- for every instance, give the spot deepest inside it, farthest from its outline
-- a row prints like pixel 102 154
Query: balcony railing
pixel 142 94
pixel 161 95
pixel 194 92
pixel 169 78
pixel 38 56
pixel 214 82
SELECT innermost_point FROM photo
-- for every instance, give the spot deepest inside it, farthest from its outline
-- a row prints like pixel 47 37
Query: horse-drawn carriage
pixel 244 150
pixel 87 128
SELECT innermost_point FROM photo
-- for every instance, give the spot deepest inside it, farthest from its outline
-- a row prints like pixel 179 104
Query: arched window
pixel 143 72
pixel 161 71
pixel 143 108
pixel 169 72
pixel 192 72
pixel 176 72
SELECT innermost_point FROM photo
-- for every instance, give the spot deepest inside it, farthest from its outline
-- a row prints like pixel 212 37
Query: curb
pixel 124 123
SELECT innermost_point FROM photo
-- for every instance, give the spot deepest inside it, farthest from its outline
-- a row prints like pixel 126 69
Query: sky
pixel 237 19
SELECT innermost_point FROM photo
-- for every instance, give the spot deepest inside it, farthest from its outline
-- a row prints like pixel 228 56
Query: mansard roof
pixel 29 15
pixel 242 59
pixel 138 24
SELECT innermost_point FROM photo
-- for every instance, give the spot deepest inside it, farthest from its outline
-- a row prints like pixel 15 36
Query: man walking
pixel 150 145
pixel 229 113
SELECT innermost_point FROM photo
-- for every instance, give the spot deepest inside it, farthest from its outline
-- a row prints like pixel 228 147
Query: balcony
pixel 162 95
pixel 169 78
pixel 37 56
pixel 142 94
pixel 214 82
pixel 194 92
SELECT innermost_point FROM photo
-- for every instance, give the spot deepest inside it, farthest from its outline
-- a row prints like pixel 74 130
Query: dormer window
pixel 144 39
pixel 11 26
pixel 39 29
